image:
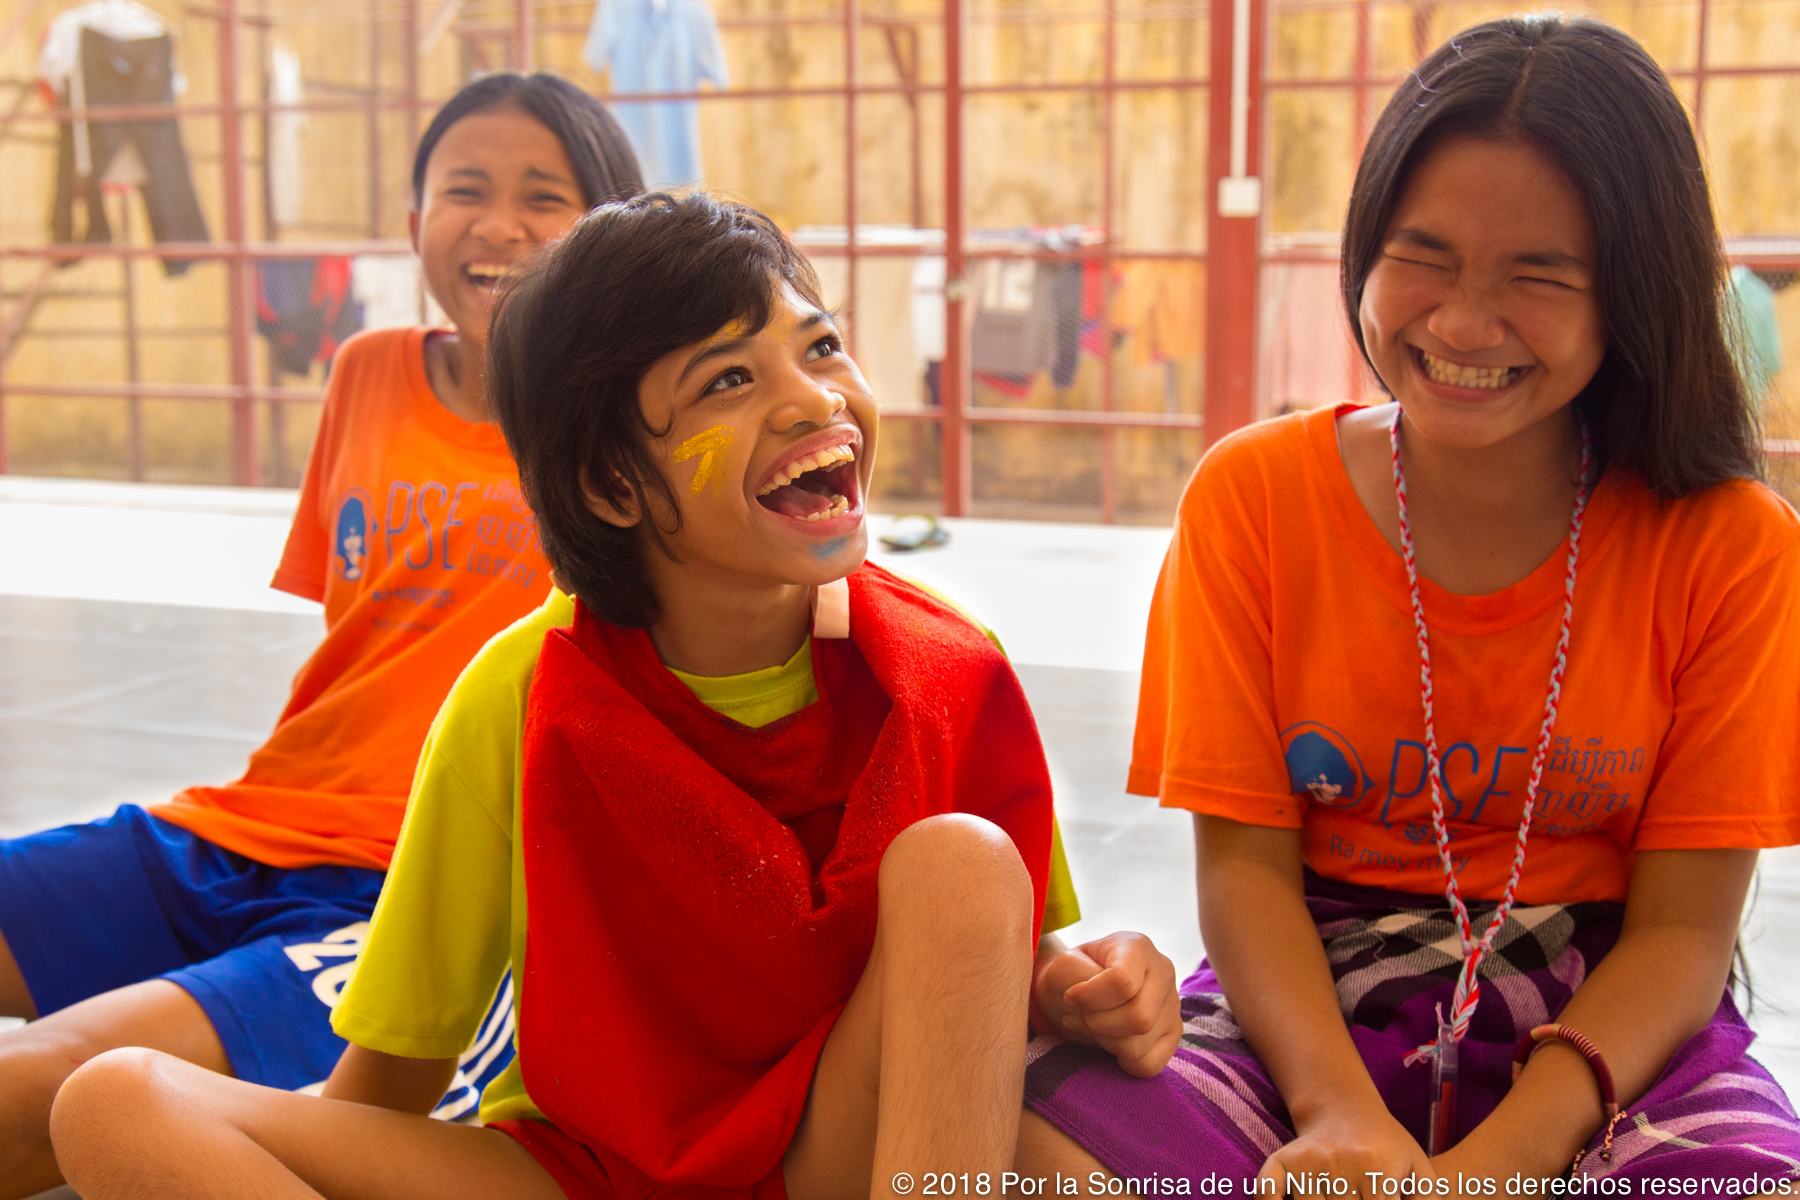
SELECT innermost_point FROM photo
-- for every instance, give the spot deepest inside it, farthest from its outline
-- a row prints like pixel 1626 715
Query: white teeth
pixel 1469 377
pixel 839 506
pixel 800 466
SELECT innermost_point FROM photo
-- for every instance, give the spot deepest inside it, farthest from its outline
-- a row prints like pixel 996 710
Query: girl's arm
pixel 1262 943
pixel 1658 987
pixel 412 1085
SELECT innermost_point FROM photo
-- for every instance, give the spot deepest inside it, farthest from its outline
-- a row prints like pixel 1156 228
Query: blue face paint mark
pixel 828 549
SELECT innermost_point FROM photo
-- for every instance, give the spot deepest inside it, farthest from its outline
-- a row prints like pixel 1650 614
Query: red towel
pixel 688 949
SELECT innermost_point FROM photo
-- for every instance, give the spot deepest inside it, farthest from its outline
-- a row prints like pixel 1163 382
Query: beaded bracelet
pixel 1609 1098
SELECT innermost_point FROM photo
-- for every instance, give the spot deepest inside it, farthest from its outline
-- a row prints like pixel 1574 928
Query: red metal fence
pixel 1240 244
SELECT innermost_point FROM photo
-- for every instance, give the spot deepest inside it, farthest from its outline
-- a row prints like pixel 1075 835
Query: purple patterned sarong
pixel 1713 1113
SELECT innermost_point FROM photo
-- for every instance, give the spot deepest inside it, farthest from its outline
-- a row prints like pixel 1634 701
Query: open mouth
pixel 814 487
pixel 484 275
pixel 1485 379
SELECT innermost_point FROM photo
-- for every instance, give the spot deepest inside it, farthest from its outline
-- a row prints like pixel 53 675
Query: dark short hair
pixel 605 166
pixel 571 339
pixel 1667 401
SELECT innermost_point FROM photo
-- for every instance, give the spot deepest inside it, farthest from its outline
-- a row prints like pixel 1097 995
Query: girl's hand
pixel 1117 993
pixel 1349 1143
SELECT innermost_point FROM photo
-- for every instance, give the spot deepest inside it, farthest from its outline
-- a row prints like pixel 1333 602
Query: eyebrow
pixel 1553 259
pixel 530 173
pixel 724 349
pixel 1418 237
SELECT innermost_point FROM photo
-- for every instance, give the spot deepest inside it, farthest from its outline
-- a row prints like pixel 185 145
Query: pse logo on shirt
pixel 1584 785
pixel 1322 763
pixel 421 517
pixel 350 537
pixel 427 527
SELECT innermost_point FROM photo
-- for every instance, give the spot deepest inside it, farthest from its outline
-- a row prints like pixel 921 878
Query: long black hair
pixel 1667 401
pixel 573 336
pixel 605 166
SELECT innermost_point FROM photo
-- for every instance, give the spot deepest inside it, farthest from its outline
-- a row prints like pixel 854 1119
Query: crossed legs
pixel 35 1060
pixel 923 1072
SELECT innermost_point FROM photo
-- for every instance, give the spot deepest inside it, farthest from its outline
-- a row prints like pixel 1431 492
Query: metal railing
pixel 1237 243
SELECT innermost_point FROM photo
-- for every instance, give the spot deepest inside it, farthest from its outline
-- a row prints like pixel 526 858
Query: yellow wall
pixel 1034 158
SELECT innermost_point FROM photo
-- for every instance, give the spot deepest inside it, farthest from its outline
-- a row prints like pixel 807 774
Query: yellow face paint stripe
pixel 709 447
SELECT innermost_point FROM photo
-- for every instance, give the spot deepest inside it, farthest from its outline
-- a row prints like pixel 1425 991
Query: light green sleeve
pixel 439 941
pixel 1061 907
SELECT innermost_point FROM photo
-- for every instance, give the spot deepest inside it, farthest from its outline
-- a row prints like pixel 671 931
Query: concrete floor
pixel 141 651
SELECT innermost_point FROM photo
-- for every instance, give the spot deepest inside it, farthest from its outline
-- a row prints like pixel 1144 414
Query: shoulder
pixel 1258 476
pixel 370 377
pixel 1745 510
pixel 1284 439
pixel 1255 458
pixel 1727 532
pixel 475 746
pixel 920 611
pixel 488 699
pixel 943 599
pixel 893 588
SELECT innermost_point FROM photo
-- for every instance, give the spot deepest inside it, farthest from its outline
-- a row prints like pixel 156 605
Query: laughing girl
pixel 777 849
pixel 1540 619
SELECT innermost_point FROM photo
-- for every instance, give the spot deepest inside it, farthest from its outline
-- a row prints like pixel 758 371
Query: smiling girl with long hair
pixel 1542 613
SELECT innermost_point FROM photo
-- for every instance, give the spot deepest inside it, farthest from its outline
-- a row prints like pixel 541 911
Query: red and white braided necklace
pixel 1442 1052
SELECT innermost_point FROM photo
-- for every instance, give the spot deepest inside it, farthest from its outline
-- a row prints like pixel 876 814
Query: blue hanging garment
pixel 659 46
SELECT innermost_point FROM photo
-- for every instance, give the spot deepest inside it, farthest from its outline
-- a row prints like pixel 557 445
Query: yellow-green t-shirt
pixel 451 917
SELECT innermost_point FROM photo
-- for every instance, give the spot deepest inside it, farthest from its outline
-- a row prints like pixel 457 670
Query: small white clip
pixel 831 609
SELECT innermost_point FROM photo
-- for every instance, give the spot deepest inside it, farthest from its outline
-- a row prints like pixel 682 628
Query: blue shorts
pixel 265 951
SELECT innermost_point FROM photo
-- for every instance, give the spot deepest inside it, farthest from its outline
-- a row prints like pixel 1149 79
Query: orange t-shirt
pixel 1281 679
pixel 413 532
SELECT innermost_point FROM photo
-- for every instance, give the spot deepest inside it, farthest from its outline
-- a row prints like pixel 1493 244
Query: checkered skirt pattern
pixel 1712 1114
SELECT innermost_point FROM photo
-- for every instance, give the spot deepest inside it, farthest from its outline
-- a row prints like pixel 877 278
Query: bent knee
pixel 959 846
pixel 34 1063
pixel 961 865
pixel 116 1086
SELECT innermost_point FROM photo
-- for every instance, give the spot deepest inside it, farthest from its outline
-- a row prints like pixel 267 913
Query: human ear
pixel 617 509
pixel 412 228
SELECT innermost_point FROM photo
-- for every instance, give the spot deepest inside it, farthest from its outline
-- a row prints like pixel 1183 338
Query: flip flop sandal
pixel 919 538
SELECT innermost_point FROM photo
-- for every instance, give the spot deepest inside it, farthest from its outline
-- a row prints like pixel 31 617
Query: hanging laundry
pixel 60 53
pixel 1028 318
pixel 881 326
pixel 1095 336
pixel 1066 294
pixel 390 292
pixel 928 278
pixel 1305 357
pixel 1754 331
pixel 893 291
pixel 117 52
pixel 1161 306
pixel 659 46
pixel 1009 337
pixel 305 309
pixel 287 162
